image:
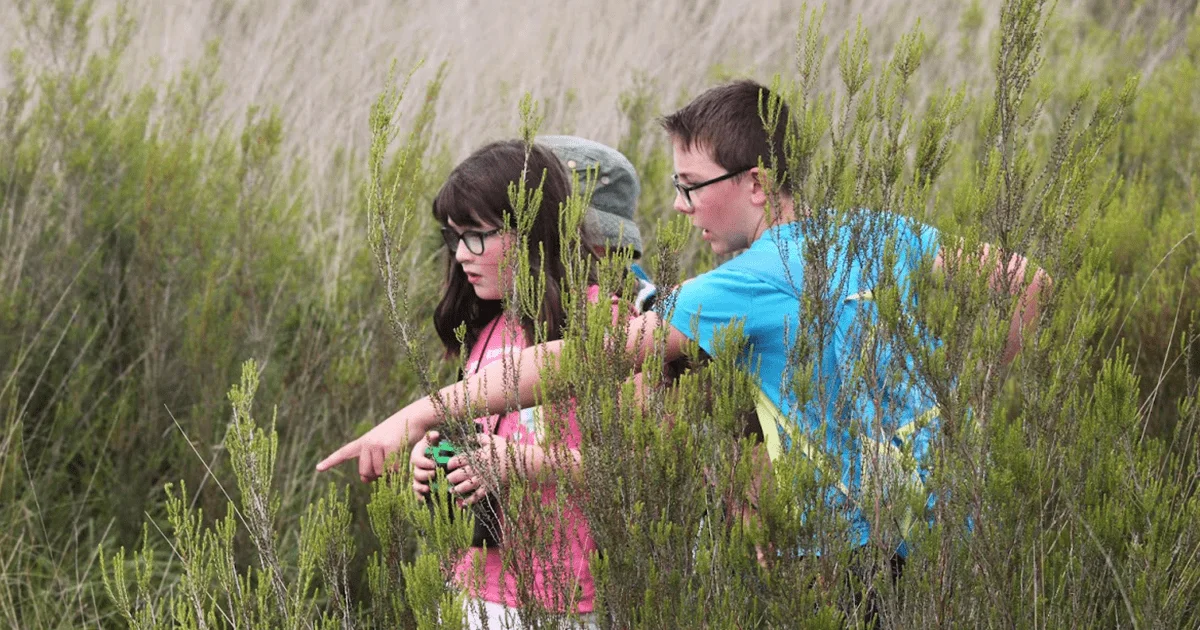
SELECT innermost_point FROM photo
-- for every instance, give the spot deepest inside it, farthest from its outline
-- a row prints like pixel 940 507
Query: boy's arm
pixel 639 337
pixel 410 423
pixel 1010 276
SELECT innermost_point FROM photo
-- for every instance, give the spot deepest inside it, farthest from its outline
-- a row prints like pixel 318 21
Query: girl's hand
pixel 474 482
pixel 390 436
pixel 424 469
pixel 370 450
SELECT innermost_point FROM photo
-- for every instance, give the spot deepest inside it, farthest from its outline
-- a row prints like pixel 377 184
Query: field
pixel 187 187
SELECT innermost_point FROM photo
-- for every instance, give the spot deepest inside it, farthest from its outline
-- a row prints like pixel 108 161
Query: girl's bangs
pixel 468 207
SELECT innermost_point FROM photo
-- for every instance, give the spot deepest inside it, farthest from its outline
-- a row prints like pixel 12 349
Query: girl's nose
pixel 461 253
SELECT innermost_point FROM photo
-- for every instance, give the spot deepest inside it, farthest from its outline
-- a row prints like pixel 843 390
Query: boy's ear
pixel 758 192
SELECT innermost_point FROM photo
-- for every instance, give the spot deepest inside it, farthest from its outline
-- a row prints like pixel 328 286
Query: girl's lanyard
pixel 483 350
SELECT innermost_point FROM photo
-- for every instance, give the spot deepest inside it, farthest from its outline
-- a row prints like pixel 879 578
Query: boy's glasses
pixel 686 189
pixel 473 238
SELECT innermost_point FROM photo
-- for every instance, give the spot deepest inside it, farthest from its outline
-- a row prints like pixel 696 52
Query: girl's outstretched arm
pixel 473 396
pixel 468 395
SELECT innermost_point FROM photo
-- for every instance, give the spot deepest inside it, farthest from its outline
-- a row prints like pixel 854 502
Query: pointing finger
pixel 347 452
pixel 377 457
pixel 364 464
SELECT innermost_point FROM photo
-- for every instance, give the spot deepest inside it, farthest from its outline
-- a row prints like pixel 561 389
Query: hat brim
pixel 612 231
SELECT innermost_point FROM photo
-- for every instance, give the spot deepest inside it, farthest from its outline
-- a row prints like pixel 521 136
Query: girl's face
pixel 482 269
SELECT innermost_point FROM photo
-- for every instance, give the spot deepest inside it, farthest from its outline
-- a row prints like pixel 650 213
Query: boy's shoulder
pixel 776 256
pixel 755 273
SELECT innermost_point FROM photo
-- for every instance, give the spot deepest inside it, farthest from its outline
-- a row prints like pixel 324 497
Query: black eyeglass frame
pixel 452 238
pixel 686 189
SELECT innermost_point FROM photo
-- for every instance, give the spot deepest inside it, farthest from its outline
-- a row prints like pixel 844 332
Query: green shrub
pixel 149 248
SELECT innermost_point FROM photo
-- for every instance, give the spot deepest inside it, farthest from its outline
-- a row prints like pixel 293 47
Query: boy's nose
pixel 680 204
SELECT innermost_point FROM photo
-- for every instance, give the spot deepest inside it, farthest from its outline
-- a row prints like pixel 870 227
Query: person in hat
pixel 609 226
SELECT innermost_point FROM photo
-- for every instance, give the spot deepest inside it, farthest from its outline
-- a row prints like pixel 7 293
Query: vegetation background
pixel 184 187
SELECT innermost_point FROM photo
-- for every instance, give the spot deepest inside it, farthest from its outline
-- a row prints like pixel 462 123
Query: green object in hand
pixel 440 453
pixel 487 528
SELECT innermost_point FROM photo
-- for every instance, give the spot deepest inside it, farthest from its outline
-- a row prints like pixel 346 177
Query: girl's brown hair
pixel 476 193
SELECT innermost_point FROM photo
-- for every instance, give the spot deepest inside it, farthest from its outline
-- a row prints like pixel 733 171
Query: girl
pixel 477 225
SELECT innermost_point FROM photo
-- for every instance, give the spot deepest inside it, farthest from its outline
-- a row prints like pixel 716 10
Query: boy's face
pixel 724 212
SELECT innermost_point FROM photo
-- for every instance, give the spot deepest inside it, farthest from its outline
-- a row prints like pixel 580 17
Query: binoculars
pixel 487 511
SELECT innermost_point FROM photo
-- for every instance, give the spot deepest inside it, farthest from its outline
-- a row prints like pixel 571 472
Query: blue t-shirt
pixel 867 421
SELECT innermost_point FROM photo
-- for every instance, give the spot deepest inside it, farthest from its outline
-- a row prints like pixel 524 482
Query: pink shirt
pixel 566 559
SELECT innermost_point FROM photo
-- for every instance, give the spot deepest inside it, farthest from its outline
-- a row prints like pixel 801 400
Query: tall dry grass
pixel 323 62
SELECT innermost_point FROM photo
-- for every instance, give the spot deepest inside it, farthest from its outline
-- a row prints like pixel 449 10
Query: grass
pixel 184 190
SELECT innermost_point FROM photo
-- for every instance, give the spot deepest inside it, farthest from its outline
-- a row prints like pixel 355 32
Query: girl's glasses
pixel 473 238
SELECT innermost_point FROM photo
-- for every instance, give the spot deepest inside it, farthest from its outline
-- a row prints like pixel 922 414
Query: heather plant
pixel 149 249
pixel 1152 228
pixel 150 245
pixel 1061 424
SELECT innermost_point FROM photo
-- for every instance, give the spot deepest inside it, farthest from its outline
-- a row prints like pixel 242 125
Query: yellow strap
pixel 773 422
pixel 886 454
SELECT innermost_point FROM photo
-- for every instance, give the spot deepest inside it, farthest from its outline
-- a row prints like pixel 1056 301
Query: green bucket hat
pixel 609 219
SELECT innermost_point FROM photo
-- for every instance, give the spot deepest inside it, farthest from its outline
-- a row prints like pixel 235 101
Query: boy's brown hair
pixel 726 120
